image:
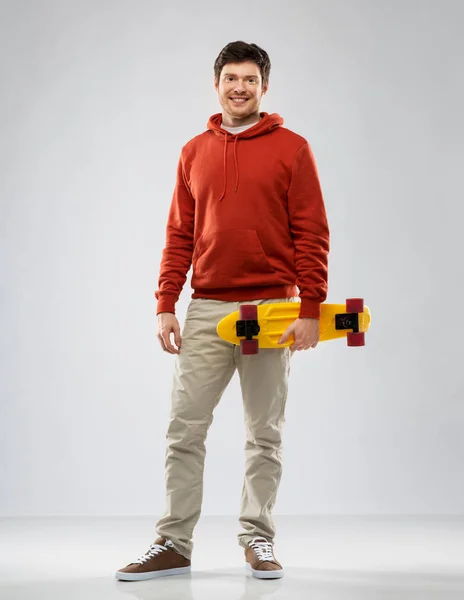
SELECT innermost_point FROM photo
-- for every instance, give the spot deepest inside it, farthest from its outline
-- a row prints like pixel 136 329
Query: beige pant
pixel 203 369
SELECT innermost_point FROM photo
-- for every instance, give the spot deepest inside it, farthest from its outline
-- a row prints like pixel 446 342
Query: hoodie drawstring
pixel 225 165
pixel 236 162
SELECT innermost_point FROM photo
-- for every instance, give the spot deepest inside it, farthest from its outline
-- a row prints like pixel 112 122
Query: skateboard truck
pixel 350 320
pixel 248 328
pixel 347 321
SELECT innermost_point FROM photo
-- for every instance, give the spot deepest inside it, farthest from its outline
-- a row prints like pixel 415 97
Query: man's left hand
pixel 306 333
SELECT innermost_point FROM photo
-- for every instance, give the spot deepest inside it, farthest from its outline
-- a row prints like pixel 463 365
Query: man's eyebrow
pixel 234 74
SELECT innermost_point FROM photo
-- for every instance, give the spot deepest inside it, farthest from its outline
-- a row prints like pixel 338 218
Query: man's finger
pixel 177 338
pixel 160 338
pixel 284 337
pixel 166 342
pixel 170 345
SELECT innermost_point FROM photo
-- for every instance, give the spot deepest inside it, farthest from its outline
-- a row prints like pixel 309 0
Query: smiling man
pixel 240 91
pixel 248 214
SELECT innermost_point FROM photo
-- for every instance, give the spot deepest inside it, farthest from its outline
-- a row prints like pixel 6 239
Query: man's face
pixel 240 80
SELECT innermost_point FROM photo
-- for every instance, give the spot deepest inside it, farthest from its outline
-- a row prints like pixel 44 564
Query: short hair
pixel 236 52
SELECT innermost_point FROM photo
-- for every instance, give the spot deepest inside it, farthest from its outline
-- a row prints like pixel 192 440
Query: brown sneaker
pixel 160 560
pixel 260 560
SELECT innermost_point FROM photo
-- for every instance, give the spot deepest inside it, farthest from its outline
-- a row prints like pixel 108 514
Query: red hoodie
pixel 248 213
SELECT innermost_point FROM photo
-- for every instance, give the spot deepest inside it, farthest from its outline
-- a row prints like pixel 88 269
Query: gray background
pixel 97 99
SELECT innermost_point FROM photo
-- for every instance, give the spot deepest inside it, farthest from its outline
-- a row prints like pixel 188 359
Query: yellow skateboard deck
pixel 261 326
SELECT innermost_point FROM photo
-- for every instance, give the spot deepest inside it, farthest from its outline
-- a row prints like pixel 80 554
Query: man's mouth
pixel 239 100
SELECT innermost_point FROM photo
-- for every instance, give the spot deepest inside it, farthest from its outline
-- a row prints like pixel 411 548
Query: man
pixel 248 213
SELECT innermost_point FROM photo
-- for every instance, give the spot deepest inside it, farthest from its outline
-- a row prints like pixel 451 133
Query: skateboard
pixel 261 326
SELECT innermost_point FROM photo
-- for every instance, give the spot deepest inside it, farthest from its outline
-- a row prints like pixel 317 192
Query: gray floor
pixel 325 558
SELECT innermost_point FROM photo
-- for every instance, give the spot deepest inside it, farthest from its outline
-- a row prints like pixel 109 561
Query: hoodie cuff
pixel 310 309
pixel 166 303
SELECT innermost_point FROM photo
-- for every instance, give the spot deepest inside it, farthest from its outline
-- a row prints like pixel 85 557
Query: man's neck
pixel 251 120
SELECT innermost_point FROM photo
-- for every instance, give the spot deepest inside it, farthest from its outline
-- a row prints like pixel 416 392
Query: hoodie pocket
pixel 230 258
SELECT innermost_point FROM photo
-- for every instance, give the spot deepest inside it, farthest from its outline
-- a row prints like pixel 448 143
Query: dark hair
pixel 241 52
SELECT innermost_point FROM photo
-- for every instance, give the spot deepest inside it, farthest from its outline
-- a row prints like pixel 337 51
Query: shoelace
pixel 153 551
pixel 263 548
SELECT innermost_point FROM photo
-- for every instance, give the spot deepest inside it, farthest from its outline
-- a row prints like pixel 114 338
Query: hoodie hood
pixel 267 124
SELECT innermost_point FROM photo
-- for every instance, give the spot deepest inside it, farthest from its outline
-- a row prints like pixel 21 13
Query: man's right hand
pixel 167 324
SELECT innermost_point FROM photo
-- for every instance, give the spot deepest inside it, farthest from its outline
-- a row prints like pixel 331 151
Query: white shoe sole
pixel 265 574
pixel 151 574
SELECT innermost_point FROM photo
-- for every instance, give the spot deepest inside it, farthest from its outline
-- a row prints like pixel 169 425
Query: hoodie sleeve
pixel 177 254
pixel 310 232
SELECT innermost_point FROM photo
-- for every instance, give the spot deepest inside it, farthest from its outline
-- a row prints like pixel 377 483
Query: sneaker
pixel 260 560
pixel 160 560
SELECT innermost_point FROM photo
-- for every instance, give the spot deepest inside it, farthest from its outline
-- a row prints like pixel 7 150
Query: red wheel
pixel 248 311
pixel 249 346
pixel 355 305
pixel 355 339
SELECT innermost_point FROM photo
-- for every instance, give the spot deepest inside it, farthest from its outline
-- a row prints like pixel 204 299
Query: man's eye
pixel 250 79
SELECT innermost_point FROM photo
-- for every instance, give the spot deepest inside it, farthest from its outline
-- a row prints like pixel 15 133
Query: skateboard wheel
pixel 355 339
pixel 249 346
pixel 355 305
pixel 248 311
